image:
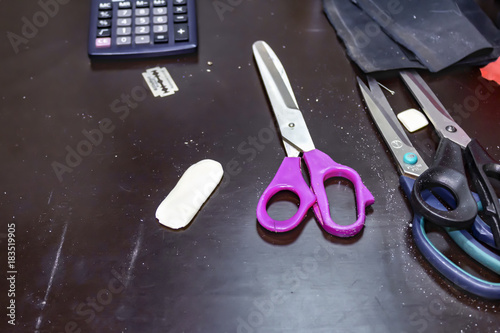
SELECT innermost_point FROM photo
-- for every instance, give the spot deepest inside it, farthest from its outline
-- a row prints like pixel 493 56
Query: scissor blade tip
pixel 363 87
pixel 373 84
pixel 360 82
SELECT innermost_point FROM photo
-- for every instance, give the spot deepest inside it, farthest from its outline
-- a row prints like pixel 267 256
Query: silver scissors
pixel 298 144
pixel 412 166
pixel 447 171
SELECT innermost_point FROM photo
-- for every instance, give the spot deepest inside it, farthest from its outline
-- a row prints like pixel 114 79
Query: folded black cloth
pixel 382 35
pixel 365 42
pixel 486 27
pixel 436 31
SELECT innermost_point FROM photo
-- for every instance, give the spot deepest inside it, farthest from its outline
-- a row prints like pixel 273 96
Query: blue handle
pixel 482 232
pixel 469 243
pixel 445 266
pixel 481 167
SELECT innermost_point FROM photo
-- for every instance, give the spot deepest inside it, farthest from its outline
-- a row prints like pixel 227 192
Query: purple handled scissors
pixel 297 141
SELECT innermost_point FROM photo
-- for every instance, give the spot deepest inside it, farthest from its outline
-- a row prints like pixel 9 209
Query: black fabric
pixel 486 27
pixel 365 42
pixel 437 32
pixel 382 35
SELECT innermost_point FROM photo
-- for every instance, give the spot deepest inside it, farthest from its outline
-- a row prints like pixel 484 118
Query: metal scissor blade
pixel 291 123
pixel 435 111
pixel 399 144
pixel 385 109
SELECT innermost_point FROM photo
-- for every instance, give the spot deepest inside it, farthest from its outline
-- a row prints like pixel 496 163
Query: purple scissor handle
pixel 296 141
pixel 287 178
pixel 321 167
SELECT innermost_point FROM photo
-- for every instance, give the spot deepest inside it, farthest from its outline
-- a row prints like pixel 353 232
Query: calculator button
pixel 103 32
pixel 105 6
pixel 180 10
pixel 142 39
pixel 104 14
pixel 180 2
pixel 124 22
pixel 123 31
pixel 142 29
pixel 160 11
pixel 141 20
pixel 161 38
pixel 180 18
pixel 124 40
pixel 124 12
pixel 103 42
pixel 160 19
pixel 103 23
pixel 125 4
pixel 181 32
pixel 142 12
pixel 160 28
pixel 159 3
pixel 142 3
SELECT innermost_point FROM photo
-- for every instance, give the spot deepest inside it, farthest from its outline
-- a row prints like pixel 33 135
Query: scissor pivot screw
pixel 291 125
pixel 451 129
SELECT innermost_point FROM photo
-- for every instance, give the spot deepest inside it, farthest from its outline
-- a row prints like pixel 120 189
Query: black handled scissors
pixel 412 166
pixel 447 171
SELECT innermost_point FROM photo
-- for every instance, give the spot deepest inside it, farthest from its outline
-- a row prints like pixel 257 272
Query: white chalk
pixel 192 190
pixel 413 120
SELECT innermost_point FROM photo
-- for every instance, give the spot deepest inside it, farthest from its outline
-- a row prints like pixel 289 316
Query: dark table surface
pixel 90 255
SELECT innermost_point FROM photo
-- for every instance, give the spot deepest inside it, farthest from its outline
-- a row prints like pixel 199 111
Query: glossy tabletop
pixel 88 154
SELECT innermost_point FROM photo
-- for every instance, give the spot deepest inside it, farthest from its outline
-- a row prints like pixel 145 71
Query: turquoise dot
pixel 410 158
pixel 480 206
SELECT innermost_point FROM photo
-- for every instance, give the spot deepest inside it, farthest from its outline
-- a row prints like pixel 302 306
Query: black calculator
pixel 142 28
